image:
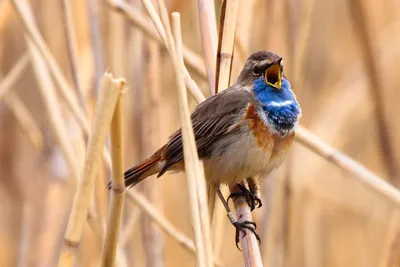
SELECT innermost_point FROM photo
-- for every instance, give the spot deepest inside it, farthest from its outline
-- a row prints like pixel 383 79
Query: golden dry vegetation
pixel 343 59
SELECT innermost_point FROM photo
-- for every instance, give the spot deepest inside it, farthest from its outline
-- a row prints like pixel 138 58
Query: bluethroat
pixel 242 133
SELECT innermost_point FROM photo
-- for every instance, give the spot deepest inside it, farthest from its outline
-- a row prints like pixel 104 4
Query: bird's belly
pixel 241 156
pixel 236 158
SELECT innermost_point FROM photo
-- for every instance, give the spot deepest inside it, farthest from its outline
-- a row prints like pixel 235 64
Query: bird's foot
pixel 251 198
pixel 241 227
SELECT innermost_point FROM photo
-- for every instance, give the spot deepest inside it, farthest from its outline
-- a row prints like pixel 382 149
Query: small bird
pixel 242 133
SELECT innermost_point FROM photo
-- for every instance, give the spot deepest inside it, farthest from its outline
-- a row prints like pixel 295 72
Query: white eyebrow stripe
pixel 280 104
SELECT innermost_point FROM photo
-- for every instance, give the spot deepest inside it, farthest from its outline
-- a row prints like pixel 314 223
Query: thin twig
pixel 357 8
pixel 107 99
pixel 345 163
pixel 192 166
pixel 14 73
pixel 24 117
pixel 208 30
pixel 118 186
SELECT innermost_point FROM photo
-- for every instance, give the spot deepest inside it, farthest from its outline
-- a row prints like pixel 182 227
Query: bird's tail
pixel 138 173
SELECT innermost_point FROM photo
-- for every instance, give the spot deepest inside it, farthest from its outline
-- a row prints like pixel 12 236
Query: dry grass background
pixel 314 214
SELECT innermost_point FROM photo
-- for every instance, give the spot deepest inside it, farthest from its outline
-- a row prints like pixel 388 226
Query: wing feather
pixel 212 119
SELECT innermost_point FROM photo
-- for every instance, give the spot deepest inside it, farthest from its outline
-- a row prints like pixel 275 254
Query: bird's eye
pixel 257 70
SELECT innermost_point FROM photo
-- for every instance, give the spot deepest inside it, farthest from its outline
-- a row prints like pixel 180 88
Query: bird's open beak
pixel 273 75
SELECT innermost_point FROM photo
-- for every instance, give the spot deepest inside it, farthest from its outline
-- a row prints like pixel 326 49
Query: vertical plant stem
pixel 192 165
pixel 208 30
pixel 226 43
pixel 118 187
pixel 107 99
pixel 250 250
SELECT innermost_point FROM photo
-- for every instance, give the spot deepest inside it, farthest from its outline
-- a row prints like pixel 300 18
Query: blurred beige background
pixel 314 214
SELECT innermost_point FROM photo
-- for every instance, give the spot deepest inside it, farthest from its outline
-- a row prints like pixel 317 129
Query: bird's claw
pixel 252 199
pixel 241 227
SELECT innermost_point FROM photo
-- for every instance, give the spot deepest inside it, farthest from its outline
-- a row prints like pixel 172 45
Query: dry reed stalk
pixel 108 95
pixel 148 208
pixel 25 120
pixel 250 249
pixel 93 9
pixel 163 28
pixel 347 164
pixel 208 30
pixel 18 108
pixel 47 57
pixel 204 216
pixel 14 73
pixel 134 16
pixel 229 11
pixel 226 41
pixel 118 185
pixel 192 165
pixel 72 50
pixel 167 38
pixel 189 82
pixel 366 40
pixel 52 106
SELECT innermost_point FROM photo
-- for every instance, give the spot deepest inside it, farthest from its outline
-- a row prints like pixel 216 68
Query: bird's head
pixel 263 75
pixel 262 64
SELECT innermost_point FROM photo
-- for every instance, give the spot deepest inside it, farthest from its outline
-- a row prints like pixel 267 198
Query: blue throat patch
pixel 280 106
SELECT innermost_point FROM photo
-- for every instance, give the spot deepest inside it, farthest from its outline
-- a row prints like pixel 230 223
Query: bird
pixel 242 133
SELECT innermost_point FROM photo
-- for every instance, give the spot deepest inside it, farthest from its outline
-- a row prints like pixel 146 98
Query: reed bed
pixel 335 206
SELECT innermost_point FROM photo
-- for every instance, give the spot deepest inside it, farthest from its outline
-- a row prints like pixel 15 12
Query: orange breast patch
pixel 270 142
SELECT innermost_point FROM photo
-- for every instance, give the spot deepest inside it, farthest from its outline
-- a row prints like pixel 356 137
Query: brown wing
pixel 211 120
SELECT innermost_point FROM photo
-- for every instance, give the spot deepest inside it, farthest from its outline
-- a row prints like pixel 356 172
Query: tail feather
pixel 138 173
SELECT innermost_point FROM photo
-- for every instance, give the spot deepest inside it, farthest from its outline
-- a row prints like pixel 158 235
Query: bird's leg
pixel 252 195
pixel 255 191
pixel 240 226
